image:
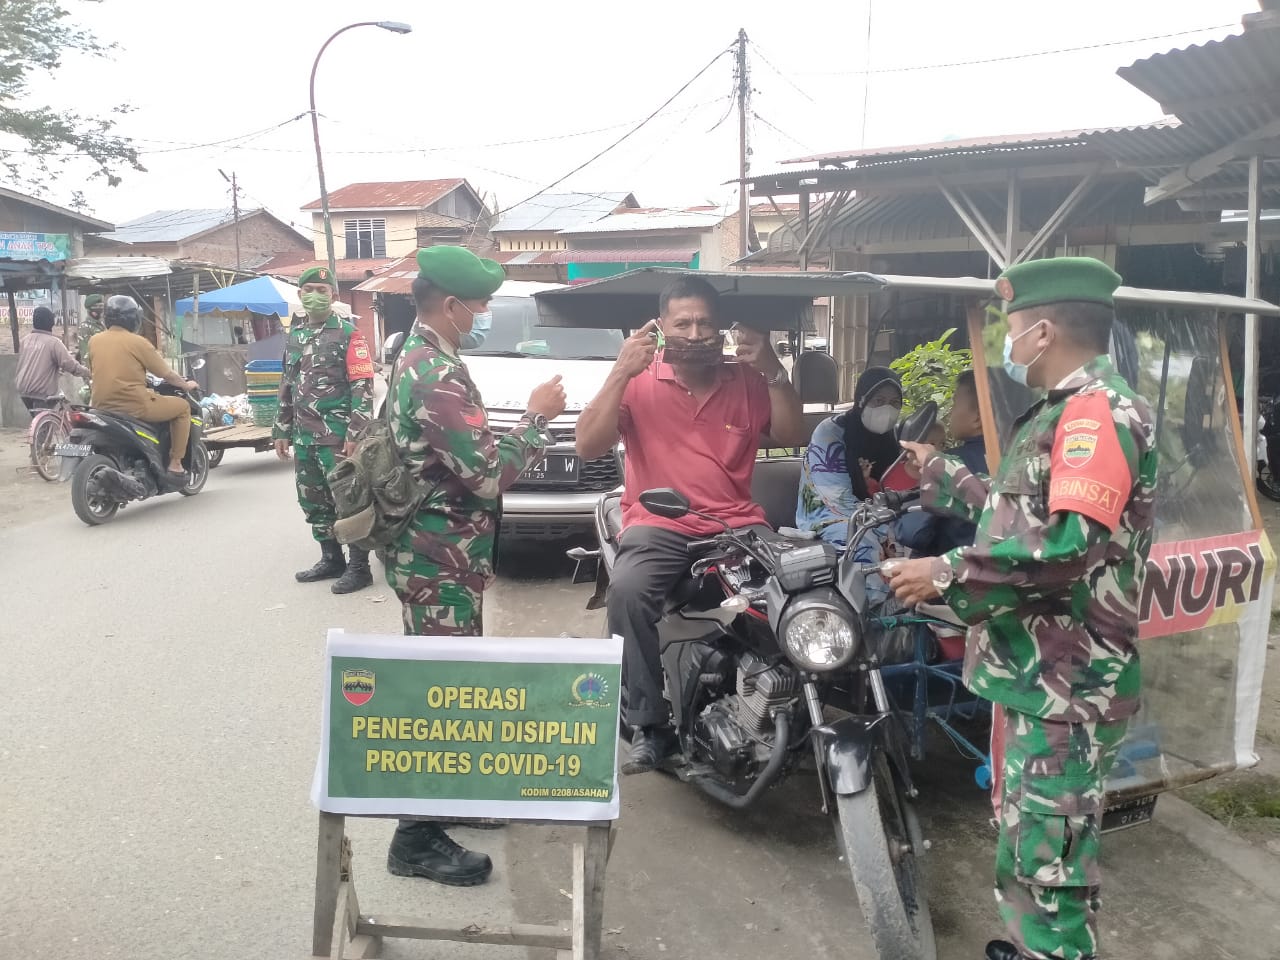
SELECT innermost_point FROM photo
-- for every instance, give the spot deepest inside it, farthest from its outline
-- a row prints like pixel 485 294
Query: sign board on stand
pixel 458 728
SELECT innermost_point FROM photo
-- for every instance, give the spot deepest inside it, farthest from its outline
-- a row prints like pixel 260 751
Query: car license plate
pixel 73 450
pixel 1131 813
pixel 554 468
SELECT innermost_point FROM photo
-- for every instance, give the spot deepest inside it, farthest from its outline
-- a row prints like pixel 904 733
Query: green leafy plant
pixel 929 372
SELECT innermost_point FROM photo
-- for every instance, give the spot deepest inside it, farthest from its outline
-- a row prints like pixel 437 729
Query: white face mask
pixel 880 419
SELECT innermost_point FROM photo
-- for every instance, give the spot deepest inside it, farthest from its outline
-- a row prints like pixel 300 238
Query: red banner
pixel 1192 583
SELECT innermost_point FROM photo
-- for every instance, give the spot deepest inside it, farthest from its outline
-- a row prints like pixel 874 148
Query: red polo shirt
pixel 706 449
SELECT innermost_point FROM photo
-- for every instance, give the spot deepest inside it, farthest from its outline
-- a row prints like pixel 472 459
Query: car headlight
pixel 819 633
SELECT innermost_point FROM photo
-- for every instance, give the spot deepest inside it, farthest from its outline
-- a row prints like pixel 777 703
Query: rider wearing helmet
pixel 120 361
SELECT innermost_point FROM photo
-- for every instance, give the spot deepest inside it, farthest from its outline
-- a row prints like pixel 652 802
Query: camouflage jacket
pixel 84 333
pixel 440 429
pixel 1052 584
pixel 326 387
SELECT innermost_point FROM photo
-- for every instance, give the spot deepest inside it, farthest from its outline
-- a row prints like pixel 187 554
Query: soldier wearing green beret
pixel 1051 592
pixel 444 559
pixel 92 323
pixel 326 400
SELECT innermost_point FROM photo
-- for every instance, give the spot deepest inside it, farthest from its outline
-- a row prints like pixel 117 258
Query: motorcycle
pixel 772 648
pixel 1269 447
pixel 112 459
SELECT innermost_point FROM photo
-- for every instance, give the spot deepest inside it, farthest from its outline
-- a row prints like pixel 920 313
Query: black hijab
pixel 881 449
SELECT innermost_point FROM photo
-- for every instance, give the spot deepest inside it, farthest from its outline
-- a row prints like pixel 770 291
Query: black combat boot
pixel 421 849
pixel 649 747
pixel 331 564
pixel 1002 950
pixel 358 575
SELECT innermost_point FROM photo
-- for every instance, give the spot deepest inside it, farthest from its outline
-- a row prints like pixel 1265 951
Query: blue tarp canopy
pixel 265 295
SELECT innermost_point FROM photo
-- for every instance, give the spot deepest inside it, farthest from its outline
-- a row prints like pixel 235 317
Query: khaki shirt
pixel 120 361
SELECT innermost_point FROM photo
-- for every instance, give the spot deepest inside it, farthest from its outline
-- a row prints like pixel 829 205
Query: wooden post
pixel 1013 218
pixel 328 881
pixel 13 319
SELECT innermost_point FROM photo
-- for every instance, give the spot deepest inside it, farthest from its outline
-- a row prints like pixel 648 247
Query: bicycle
pixel 50 426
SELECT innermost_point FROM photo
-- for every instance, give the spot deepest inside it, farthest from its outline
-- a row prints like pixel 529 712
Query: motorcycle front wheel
pixel 1268 483
pixel 880 839
pixel 92 508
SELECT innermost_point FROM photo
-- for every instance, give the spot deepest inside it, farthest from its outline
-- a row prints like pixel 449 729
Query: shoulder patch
pixel 359 360
pixel 1088 472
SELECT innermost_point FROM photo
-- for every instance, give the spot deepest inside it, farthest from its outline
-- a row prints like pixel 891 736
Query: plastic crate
pixel 264 366
pixel 264 414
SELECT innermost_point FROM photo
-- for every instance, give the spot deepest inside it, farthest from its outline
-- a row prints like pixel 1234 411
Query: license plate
pixel 1131 813
pixel 554 468
pixel 73 450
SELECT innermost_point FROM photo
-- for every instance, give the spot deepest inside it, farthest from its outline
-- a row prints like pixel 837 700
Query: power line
pixel 714 60
pixel 1010 57
pixel 768 63
pixel 779 130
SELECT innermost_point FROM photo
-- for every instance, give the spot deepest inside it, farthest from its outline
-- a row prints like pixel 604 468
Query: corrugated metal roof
pixel 650 220
pixel 118 268
pixel 632 255
pixel 92 222
pixel 1001 143
pixel 559 211
pixel 386 194
pixel 1224 88
pixel 525 258
pixel 172 226
pixel 348 270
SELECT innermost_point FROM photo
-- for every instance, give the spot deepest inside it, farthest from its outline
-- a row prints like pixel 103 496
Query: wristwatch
pixel 539 421
pixel 942 574
pixel 779 378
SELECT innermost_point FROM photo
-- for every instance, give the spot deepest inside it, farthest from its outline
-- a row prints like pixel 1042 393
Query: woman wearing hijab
pixel 848 455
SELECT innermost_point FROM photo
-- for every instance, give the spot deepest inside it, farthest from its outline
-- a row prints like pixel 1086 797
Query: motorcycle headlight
pixel 819 633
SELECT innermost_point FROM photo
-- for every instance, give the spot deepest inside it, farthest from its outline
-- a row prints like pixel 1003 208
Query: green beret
pixel 1038 283
pixel 317 275
pixel 459 272
pixel 93 300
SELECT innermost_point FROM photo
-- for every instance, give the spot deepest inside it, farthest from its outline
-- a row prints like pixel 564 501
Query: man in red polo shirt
pixel 690 421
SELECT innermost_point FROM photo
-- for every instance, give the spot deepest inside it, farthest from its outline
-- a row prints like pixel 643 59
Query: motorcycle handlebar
pixel 694 546
pixel 896 499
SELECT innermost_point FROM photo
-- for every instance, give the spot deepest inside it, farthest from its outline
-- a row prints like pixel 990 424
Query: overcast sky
pixel 568 79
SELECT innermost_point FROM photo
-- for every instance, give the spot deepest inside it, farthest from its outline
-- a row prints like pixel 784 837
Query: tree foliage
pixel 929 372
pixel 36 141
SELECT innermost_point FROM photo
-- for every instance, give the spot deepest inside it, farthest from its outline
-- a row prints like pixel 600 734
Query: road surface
pixel 161 722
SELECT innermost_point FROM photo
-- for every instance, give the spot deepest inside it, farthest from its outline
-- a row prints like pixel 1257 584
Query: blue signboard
pixel 35 246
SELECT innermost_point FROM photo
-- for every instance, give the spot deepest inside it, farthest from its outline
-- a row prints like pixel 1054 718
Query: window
pixel 366 239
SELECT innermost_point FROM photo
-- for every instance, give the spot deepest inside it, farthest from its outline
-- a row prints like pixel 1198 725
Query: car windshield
pixel 517 333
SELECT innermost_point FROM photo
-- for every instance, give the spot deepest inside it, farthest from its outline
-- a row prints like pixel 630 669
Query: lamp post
pixel 394 27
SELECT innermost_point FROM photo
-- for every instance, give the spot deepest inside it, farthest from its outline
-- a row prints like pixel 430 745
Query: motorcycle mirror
pixel 915 428
pixel 391 346
pixel 665 502
pixel 198 364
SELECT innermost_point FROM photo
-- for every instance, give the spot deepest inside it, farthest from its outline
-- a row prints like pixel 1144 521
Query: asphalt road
pixel 161 723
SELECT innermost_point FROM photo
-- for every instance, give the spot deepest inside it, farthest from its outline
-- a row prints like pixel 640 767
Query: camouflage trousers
pixel 434 602
pixel 310 464
pixel 1047 872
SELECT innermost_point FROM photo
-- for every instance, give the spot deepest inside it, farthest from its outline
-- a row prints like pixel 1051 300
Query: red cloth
pixel 705 450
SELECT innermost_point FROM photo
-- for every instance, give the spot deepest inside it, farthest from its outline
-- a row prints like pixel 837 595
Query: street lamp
pixel 394 27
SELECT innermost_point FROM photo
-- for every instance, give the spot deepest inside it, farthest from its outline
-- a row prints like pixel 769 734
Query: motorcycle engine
pixel 734 730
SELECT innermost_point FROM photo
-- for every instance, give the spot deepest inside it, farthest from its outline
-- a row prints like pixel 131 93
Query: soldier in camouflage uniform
pixel 326 400
pixel 92 323
pixel 1051 591
pixel 444 559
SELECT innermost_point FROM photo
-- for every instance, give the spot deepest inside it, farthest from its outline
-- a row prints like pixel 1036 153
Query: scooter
pixel 113 460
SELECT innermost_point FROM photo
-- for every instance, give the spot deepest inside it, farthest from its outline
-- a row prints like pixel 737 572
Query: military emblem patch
pixel 1004 289
pixel 1079 448
pixel 357 686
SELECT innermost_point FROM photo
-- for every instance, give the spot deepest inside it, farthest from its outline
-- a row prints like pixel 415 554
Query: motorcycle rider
pixel 691 421
pixel 40 359
pixel 119 360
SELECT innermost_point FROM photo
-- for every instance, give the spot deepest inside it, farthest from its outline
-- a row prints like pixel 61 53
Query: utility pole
pixel 235 210
pixel 744 149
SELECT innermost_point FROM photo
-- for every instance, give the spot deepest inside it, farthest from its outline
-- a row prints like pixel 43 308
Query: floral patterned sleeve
pixel 826 494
